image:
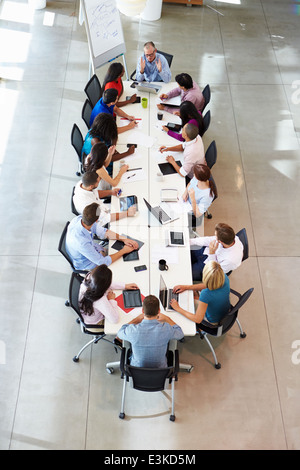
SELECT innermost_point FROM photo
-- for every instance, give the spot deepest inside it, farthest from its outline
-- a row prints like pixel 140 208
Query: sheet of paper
pixel 124 122
pixel 132 176
pixel 176 100
pixel 181 206
pixel 170 254
pixel 139 138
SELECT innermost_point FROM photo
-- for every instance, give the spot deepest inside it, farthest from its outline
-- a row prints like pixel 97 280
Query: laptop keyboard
pixel 172 295
pixel 162 215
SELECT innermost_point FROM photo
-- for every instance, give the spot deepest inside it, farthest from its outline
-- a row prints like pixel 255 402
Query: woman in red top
pixel 113 79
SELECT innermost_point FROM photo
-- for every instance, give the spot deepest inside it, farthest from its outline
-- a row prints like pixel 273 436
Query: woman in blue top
pixel 200 192
pixel 214 302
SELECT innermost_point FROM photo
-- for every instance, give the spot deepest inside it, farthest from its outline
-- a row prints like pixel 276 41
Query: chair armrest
pixel 235 293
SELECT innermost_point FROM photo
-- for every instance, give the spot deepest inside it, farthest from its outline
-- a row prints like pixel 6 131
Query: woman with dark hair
pixel 96 296
pixel 113 79
pixel 188 114
pixel 200 192
pixel 104 129
pixel 98 160
pixel 188 90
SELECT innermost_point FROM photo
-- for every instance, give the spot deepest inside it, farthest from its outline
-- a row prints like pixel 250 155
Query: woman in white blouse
pixel 96 296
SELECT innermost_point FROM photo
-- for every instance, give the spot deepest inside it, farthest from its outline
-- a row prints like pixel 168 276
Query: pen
pixel 133 169
pixel 131 176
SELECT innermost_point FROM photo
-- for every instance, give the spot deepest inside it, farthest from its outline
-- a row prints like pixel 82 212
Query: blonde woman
pixel 214 302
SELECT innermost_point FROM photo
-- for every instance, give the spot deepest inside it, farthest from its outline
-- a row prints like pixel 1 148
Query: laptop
pixel 162 216
pixel 174 238
pixel 166 295
pixel 148 88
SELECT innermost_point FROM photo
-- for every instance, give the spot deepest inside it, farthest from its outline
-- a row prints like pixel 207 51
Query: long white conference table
pixel 144 226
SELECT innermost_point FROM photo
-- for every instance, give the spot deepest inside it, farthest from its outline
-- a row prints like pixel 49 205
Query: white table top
pixel 144 226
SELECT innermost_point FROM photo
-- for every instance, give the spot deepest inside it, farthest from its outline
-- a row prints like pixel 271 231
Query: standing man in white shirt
pixel 224 247
pixel 86 193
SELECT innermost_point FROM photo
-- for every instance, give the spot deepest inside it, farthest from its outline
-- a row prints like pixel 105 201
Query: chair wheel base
pixel 77 173
pixel 122 415
pixel 109 370
pixel 67 303
pixel 172 417
pixel 243 335
pixel 75 359
pixel 218 366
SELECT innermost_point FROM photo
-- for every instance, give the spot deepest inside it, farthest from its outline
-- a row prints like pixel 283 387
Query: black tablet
pixel 132 298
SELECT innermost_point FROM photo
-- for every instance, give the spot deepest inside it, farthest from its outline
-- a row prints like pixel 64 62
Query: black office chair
pixel 206 93
pixel 149 379
pixel 86 112
pixel 73 208
pixel 211 154
pixel 206 123
pixel 77 142
pixel 97 331
pixel 169 58
pixel 242 234
pixel 225 324
pixel 93 90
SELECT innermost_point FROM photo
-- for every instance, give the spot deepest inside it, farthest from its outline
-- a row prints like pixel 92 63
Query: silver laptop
pixel 166 295
pixel 162 215
pixel 150 88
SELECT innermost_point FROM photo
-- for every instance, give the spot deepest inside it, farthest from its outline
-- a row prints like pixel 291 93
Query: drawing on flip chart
pixel 105 26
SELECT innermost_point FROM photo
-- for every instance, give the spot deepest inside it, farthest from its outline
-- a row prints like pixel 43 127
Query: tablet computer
pixel 174 238
pixel 128 201
pixel 132 298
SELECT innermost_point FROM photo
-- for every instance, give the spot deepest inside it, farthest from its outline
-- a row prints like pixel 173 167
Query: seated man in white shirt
pixel 224 247
pixel 192 148
pixel 86 193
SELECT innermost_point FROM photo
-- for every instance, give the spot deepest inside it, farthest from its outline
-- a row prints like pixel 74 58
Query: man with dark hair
pixel 187 89
pixel 149 334
pixel 86 193
pixel 107 104
pixel 192 148
pixel 84 252
pixel 224 247
pixel 152 66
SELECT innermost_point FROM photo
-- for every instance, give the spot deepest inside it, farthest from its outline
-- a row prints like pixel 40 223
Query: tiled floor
pixel 248 52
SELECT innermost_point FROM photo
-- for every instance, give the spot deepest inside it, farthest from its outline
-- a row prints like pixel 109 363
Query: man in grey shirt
pixel 149 334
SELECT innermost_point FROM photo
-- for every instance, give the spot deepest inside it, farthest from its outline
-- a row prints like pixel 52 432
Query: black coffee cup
pixel 163 265
pixel 159 116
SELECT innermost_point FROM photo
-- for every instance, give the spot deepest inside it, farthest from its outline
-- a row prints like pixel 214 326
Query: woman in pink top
pixel 188 114
pixel 188 91
pixel 96 297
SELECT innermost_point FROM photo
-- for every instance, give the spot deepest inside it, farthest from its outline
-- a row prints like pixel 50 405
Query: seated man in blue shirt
pixel 107 104
pixel 152 66
pixel 149 334
pixel 85 253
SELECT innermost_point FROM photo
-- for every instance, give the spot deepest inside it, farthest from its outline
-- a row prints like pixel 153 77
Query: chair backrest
pixel 242 234
pixel 93 90
pixel 86 112
pixel 211 154
pixel 73 208
pixel 74 286
pixel 169 57
pixel 242 300
pixel 206 95
pixel 148 379
pixel 206 122
pixel 62 245
pixel 77 140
